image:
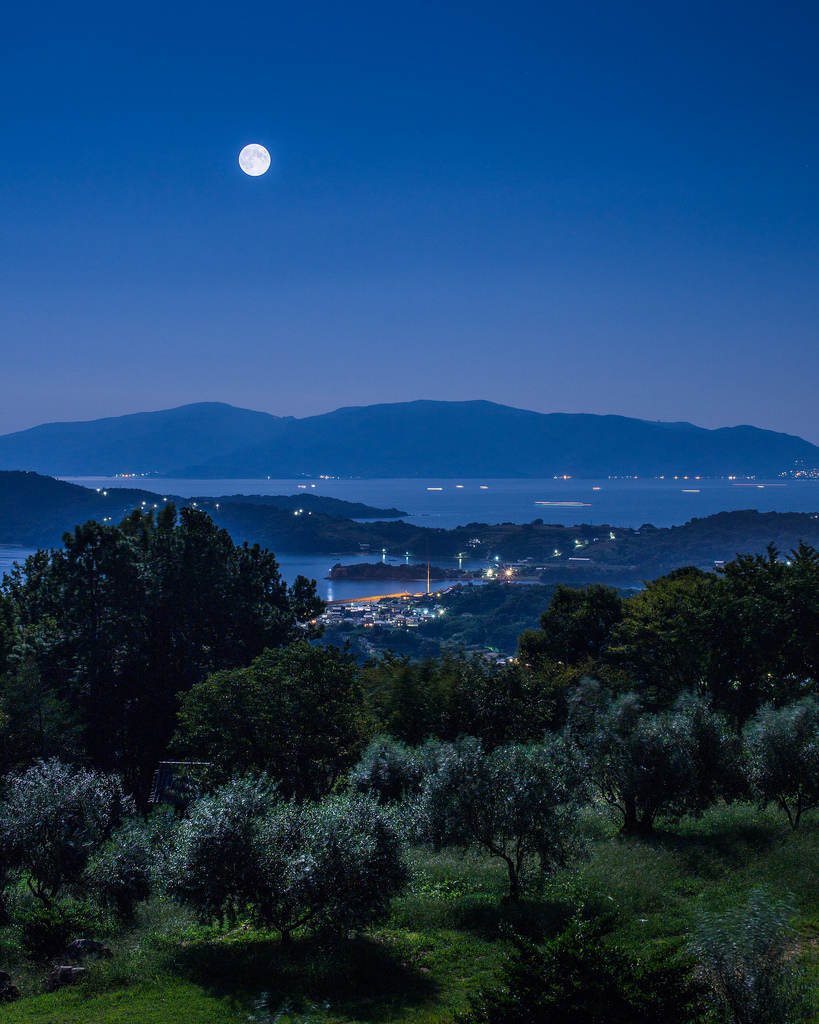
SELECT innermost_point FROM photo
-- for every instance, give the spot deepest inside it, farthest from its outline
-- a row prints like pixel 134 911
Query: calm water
pixel 312 566
pixel 449 503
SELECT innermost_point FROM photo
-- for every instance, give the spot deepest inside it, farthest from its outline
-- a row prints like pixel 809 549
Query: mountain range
pixel 211 440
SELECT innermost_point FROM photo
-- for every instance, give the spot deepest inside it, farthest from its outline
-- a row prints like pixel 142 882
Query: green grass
pixel 175 1001
pixel 446 937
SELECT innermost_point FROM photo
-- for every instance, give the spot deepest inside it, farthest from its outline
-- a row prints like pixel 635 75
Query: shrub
pixel 579 978
pixel 358 862
pixel 748 957
pixel 47 929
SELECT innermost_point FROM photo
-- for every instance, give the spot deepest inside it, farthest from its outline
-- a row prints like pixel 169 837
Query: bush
pixel 47 929
pixel 748 957
pixel 578 978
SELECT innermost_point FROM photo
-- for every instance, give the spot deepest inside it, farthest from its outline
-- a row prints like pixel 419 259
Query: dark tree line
pixel 743 637
pixel 100 639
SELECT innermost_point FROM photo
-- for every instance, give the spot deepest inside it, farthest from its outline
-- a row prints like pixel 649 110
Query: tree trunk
pixel 514 880
pixel 631 824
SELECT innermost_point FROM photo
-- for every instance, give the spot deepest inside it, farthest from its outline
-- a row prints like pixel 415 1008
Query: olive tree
pixel 331 866
pixel 53 819
pixel 390 771
pixel 781 748
pixel 645 764
pixel 516 803
pixel 212 865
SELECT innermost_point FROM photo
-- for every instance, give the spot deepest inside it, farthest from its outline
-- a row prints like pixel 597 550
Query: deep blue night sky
pixel 578 207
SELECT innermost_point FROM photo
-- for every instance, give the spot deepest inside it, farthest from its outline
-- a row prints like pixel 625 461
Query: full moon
pixel 254 159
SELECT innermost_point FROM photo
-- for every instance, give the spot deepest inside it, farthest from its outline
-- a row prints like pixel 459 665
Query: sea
pixel 449 503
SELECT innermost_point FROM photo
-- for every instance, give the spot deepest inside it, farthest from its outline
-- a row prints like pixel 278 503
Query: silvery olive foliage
pixel 123 873
pixel 517 802
pixel 333 866
pixel 329 866
pixel 781 747
pixel 644 763
pixel 390 771
pixel 54 818
pixel 212 866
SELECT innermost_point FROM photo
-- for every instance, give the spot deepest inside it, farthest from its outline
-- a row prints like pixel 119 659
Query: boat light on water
pixel 434 488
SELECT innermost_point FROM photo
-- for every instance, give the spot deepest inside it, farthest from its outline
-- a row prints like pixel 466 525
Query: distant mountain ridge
pixel 406 439
pixel 144 442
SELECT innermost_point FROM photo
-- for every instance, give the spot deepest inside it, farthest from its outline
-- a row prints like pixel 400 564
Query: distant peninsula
pixel 211 440
pixel 308 501
pixel 36 510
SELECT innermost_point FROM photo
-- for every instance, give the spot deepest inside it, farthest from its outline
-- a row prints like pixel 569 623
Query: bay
pixel 450 503
pixel 312 566
pixel 11 553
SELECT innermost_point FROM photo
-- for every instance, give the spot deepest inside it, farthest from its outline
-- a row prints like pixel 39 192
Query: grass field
pixel 446 936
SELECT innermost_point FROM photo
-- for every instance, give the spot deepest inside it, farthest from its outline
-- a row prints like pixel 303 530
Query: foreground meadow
pixel 447 934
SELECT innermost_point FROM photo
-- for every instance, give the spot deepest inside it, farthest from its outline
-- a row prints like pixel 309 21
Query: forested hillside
pixel 37 510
